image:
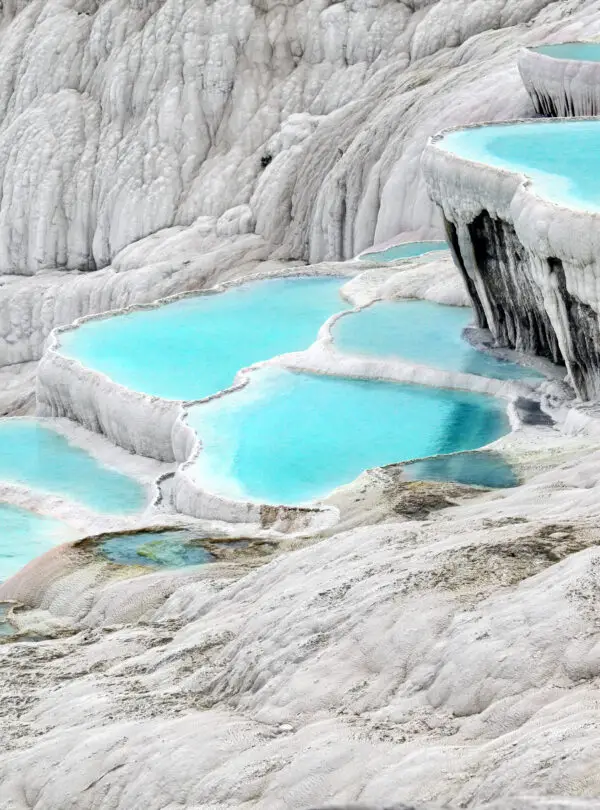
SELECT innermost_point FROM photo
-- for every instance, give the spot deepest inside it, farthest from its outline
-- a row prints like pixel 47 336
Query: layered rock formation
pixel 560 86
pixel 216 137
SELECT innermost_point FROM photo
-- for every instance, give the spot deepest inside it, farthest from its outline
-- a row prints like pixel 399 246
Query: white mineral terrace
pixel 563 79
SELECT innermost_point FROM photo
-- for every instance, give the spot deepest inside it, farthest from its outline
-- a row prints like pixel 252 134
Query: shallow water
pixel 407 250
pixel 483 469
pixel 25 535
pixel 422 332
pixel 562 157
pixel 39 458
pixel 155 549
pixel 194 347
pixel 579 51
pixel 291 438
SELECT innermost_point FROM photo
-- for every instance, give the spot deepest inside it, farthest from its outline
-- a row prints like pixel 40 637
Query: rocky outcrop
pixel 560 87
pixel 173 136
pixel 530 264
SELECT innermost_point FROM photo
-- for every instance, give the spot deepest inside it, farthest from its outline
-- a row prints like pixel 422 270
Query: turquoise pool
pixel 407 250
pixel 578 51
pixel 37 457
pixel 194 347
pixel 423 333
pixel 25 535
pixel 173 549
pixel 292 438
pixel 561 156
pixel 481 469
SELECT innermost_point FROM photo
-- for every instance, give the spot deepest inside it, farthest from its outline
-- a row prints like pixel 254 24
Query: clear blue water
pixel 562 157
pixel 39 458
pixel 291 438
pixel 194 347
pixel 424 333
pixel 482 469
pixel 25 535
pixel 155 549
pixel 579 51
pixel 408 250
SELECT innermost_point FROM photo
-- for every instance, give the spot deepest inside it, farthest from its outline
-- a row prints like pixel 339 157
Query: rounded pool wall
pixel 563 79
pixel 402 250
pixel 530 263
pixel 134 420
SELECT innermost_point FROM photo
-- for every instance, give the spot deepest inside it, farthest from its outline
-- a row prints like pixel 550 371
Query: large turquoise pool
pixel 578 51
pixel 25 535
pixel 194 347
pixel 292 438
pixel 423 333
pixel 561 156
pixel 406 250
pixel 37 457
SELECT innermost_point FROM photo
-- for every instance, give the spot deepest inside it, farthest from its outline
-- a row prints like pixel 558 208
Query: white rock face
pixel 561 87
pixel 529 262
pixel 292 129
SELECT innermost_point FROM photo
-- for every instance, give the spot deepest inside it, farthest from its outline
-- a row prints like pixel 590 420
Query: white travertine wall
pixel 124 122
pixel 560 87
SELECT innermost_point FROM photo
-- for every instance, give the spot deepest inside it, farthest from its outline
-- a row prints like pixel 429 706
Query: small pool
pixel 37 457
pixel 192 348
pixel 406 250
pixel 482 469
pixel 291 438
pixel 174 549
pixel 578 51
pixel 25 535
pixel 561 156
pixel 422 332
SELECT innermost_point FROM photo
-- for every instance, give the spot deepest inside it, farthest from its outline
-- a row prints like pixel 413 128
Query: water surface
pixel 578 51
pixel 422 332
pixel 406 250
pixel 192 348
pixel 174 549
pixel 481 469
pixel 561 156
pixel 25 535
pixel 37 457
pixel 291 438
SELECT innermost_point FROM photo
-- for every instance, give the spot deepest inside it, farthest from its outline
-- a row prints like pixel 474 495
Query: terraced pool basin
pixel 423 333
pixel 480 469
pixel 561 156
pixel 41 459
pixel 406 250
pixel 577 51
pixel 174 549
pixel 25 535
pixel 291 438
pixel 193 347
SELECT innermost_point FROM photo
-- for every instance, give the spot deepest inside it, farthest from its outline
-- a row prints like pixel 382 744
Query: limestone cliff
pixel 273 130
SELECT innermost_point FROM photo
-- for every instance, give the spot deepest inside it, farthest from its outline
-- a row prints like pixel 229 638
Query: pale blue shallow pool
pixel 37 457
pixel 578 51
pixel 25 535
pixel 194 347
pixel 172 549
pixel 291 438
pixel 562 157
pixel 407 250
pixel 422 332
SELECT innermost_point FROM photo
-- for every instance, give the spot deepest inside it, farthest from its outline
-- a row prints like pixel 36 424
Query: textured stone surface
pixel 530 264
pixel 185 141
pixel 560 87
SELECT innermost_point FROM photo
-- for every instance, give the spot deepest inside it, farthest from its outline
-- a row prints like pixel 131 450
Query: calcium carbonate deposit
pixel 299 380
